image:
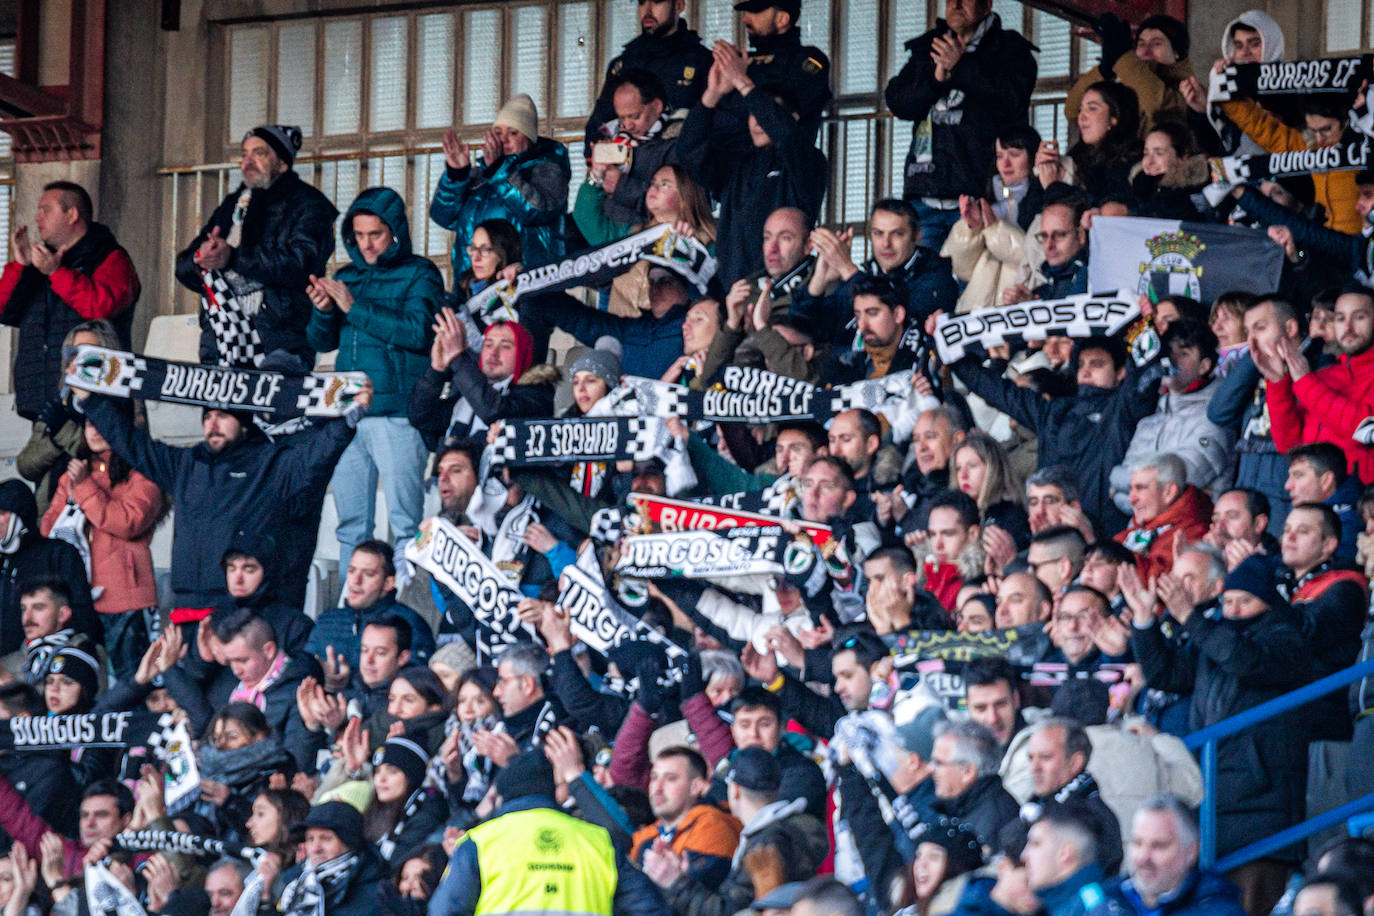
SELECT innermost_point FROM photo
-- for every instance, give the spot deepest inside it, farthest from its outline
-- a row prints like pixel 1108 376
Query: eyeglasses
pixel 484 251
pixel 1059 235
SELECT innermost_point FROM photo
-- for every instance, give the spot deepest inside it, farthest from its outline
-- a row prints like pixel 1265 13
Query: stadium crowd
pixel 1010 590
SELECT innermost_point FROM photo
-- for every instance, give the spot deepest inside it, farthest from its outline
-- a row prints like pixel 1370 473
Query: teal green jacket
pixel 388 331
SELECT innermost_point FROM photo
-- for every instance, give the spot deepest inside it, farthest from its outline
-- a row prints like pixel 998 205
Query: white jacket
pixel 1129 768
pixel 989 260
pixel 1180 427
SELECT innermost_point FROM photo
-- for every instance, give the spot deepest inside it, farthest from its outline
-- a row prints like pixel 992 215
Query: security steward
pixel 531 857
pixel 780 64
pixel 668 49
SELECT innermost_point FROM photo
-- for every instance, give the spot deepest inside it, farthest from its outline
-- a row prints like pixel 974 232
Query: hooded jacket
pixel 95 279
pixel 387 331
pixel 38 557
pixel 988 90
pixel 121 520
pixel 288 234
pixel 1170 196
pixel 1180 426
pixel 1153 542
pixel 1230 666
pixel 251 485
pixel 751 183
pixel 529 190
pixel 680 60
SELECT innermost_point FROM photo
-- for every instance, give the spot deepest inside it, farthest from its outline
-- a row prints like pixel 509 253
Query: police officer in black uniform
pixel 780 64
pixel 666 48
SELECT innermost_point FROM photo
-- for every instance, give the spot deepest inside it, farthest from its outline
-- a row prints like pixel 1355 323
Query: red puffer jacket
pixel 1326 406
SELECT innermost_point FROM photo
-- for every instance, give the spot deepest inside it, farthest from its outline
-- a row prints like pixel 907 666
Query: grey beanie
pixel 603 361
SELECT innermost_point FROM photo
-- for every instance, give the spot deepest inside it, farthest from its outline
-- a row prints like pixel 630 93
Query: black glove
pixel 54 415
pixel 650 693
pixel 692 681
pixel 1116 41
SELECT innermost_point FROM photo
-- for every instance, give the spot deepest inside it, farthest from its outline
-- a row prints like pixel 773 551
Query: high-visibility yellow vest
pixel 544 861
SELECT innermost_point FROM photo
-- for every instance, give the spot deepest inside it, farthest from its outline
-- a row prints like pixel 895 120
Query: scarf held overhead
pixel 1084 315
pixel 749 395
pixel 654 514
pixel 462 567
pixel 658 245
pixel 1338 76
pixel 536 442
pixel 1348 156
pixel 124 375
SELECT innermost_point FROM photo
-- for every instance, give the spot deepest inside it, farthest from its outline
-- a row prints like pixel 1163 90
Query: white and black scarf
pixel 318 887
pixel 387 844
pixel 14 533
pixel 39 653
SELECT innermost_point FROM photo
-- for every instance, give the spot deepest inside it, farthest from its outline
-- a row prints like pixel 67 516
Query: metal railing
pixel 1207 740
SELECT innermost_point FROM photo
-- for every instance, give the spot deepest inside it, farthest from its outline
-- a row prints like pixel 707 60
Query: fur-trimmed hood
pixel 970 562
pixel 541 374
pixel 1188 172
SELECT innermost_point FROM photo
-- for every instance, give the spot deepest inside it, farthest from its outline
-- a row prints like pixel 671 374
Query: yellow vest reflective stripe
pixel 544 861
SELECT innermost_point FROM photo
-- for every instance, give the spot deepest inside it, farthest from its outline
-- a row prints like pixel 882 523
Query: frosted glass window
pixel 815 25
pixel 343 67
pixel 1047 116
pixel 1054 39
pixel 428 167
pixel 859 38
pixel 387 75
pixel 856 170
pixel 620 25
pixel 1011 12
pixel 575 74
pixel 388 171
pixel 248 68
pixel 434 70
pixel 900 132
pixel 530 54
pixel 1089 54
pixel 481 66
pixel 7 67
pixel 339 182
pixel 715 19
pixel 906 22
pixel 1342 25
pixel 296 76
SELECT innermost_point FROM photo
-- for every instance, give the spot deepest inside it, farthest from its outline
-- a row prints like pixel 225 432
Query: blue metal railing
pixel 1207 739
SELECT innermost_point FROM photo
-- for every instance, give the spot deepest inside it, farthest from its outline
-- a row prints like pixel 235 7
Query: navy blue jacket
pixel 927 278
pixel 1201 894
pixel 649 345
pixel 342 628
pixel 1080 894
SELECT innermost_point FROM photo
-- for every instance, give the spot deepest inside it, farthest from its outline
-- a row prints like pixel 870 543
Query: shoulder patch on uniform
pixel 689 72
pixel 811 65
pixel 617 65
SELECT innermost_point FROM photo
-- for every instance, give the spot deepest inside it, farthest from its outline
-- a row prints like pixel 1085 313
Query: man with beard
pixel 881 318
pixel 455 474
pixel 665 47
pixel 252 262
pixel 702 832
pixel 1326 405
pixel 923 280
pixel 236 480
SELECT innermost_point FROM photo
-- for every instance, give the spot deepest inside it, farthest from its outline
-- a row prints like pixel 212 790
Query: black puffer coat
pixel 288 234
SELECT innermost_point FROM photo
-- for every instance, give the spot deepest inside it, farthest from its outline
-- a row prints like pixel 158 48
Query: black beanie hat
pixel 529 773
pixel 78 662
pixel 342 818
pixel 1175 31
pixel 957 839
pixel 407 754
pixel 285 139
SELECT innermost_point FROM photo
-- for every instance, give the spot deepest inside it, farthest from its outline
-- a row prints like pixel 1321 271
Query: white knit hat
pixel 520 114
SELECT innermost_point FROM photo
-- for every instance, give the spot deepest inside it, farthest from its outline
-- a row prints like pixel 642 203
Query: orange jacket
pixel 121 519
pixel 1336 191
pixel 705 830
pixel 1153 544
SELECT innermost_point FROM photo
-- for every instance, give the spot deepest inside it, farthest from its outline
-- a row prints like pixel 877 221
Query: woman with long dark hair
pixel 1108 148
